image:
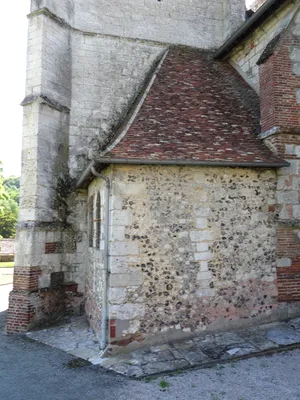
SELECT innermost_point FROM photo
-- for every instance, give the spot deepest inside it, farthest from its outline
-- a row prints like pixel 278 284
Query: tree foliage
pixel 9 204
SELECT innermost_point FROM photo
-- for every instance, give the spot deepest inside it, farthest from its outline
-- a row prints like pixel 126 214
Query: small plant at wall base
pixel 9 204
pixel 164 384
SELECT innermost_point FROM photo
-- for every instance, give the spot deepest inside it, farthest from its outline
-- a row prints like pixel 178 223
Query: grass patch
pixel 164 384
pixel 6 264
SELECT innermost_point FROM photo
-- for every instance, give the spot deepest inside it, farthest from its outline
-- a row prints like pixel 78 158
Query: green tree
pixel 9 204
pixel 12 188
pixel 3 195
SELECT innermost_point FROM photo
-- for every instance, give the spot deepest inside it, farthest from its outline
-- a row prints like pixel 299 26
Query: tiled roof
pixel 197 109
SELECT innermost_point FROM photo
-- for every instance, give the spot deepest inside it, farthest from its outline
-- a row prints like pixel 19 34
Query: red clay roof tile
pixel 198 109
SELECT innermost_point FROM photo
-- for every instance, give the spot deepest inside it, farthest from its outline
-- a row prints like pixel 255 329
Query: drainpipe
pixel 104 320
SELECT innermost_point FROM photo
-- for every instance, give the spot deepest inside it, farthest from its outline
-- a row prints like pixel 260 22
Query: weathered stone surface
pixel 125 280
pixel 154 368
pixel 246 56
pixel 128 370
pixel 242 351
pixel 177 268
pixel 283 335
pixel 295 323
pixel 160 356
pixel 257 338
pixel 201 350
pixel 193 356
pixel 197 24
pixel 284 262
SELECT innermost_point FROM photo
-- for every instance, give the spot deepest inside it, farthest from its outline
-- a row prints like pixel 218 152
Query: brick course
pixel 280 119
pixel 279 107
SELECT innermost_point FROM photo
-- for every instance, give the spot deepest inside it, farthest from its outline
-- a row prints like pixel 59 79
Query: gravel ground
pixel 33 371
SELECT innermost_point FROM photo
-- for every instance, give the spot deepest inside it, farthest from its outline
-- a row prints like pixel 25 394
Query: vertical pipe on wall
pixel 104 320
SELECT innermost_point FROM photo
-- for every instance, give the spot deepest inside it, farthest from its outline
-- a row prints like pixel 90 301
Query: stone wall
pixel 191 249
pixel 256 4
pixel 245 56
pixel 204 24
pixel 106 78
pixel 95 256
pixel 280 111
pixel 47 245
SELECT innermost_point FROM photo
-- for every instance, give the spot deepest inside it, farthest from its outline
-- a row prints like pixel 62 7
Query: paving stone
pixel 184 345
pixel 194 357
pixel 154 368
pixel 75 337
pixel 176 353
pixel 165 355
pixel 262 343
pixel 242 351
pixel 204 340
pixel 136 362
pixel 283 335
pixel 161 347
pixel 215 352
pixel 227 338
pixel 295 323
pixel 140 354
pixel 86 353
pixel 257 338
pixel 109 362
pixel 86 343
pixel 127 370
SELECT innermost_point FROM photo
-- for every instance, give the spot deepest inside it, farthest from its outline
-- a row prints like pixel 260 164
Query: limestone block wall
pixel 95 255
pixel 48 59
pixel 233 16
pixel 245 56
pixel 192 23
pixel 44 239
pixel 62 8
pixel 191 249
pixel 204 24
pixel 107 75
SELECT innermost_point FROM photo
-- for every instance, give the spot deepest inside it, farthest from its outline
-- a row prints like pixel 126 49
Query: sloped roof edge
pixel 88 176
pixel 249 26
pixel 134 110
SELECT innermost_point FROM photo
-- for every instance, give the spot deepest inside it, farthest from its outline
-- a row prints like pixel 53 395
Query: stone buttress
pixel 279 77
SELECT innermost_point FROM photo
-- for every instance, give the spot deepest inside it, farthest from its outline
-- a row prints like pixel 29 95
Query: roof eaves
pixel 87 175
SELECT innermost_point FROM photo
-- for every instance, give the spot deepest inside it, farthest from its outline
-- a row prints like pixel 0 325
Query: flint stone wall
pixel 191 249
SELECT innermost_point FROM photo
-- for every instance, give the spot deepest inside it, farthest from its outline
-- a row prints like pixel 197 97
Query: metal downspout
pixel 104 320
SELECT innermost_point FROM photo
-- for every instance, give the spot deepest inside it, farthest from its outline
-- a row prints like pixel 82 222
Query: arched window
pixel 91 220
pixel 98 220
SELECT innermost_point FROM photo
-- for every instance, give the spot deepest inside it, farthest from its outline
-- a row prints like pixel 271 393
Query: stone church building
pixel 161 167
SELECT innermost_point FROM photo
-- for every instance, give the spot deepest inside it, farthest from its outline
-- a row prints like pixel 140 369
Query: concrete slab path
pixel 75 337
